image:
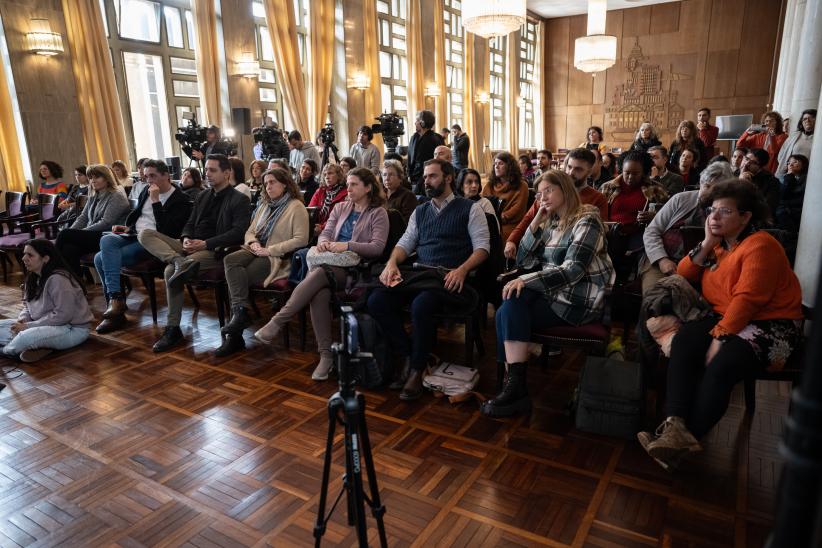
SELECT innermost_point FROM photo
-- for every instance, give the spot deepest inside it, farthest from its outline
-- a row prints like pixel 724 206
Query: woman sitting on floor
pixel 279 226
pixel 55 313
pixel 757 302
pixel 566 245
pixel 358 225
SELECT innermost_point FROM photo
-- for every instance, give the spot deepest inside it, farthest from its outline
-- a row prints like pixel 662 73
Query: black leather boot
pixel 513 398
pixel 232 343
pixel 239 321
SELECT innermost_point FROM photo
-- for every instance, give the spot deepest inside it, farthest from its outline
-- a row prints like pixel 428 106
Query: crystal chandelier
pixel 489 18
pixel 597 51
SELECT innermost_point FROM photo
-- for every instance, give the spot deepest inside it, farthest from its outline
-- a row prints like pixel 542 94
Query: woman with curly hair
pixel 506 183
pixel 770 136
pixel 687 138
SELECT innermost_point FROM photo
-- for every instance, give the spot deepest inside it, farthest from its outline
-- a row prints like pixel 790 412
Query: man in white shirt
pixel 365 152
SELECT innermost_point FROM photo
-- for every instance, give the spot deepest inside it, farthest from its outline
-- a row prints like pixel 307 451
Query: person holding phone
pixel 162 207
pixel 770 136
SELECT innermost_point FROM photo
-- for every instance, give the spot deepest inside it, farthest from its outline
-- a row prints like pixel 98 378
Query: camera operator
pixel 213 145
pixel 301 150
pixel 421 148
pixel 364 152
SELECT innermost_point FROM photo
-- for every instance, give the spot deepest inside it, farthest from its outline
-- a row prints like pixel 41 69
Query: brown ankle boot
pixel 116 307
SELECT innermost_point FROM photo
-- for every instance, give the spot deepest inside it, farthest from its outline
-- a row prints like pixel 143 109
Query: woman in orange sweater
pixel 757 305
pixel 507 185
pixel 770 135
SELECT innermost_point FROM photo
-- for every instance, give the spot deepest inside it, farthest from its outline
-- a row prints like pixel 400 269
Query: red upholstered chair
pixel 21 227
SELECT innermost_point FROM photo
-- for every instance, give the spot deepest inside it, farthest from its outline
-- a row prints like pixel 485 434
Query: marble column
pixel 808 75
pixel 809 248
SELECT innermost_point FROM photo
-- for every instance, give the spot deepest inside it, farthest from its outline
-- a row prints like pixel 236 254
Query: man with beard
pixel 450 236
pixel 753 170
pixel 579 165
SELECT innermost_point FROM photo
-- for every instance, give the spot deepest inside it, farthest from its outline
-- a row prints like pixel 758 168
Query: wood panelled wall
pixel 45 88
pixel 674 58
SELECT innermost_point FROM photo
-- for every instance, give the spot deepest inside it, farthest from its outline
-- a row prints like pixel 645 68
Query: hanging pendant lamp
pixel 596 51
pixel 489 18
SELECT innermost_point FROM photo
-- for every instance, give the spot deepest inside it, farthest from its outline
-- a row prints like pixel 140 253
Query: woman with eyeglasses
pixel 757 309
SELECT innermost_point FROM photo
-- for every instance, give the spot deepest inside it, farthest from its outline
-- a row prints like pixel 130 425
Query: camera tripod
pixel 347 407
pixel 328 150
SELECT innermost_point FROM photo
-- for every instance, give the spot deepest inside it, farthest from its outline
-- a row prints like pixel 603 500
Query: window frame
pixel 395 16
pixel 497 69
pixel 454 66
pixel 527 83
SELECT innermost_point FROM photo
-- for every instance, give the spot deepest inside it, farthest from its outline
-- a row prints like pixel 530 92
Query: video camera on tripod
pixel 327 136
pixel 392 128
pixel 195 137
pixel 271 140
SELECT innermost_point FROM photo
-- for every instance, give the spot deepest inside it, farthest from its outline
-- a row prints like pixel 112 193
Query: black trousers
pixel 700 393
pixel 73 243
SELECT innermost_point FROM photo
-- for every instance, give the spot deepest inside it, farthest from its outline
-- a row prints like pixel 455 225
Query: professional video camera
pixel 326 137
pixel 272 142
pixel 192 136
pixel 392 127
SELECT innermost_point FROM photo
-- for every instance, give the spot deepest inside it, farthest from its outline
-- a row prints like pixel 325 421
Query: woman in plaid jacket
pixel 566 251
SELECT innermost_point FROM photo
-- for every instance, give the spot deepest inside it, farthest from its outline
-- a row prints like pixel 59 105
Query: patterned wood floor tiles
pixel 110 444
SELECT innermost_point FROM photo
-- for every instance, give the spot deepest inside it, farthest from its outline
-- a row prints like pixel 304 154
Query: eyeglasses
pixel 720 211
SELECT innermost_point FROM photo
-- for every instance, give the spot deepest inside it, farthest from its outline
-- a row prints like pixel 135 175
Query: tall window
pixel 498 47
pixel 393 61
pixel 527 79
pixel 270 96
pixel 152 50
pixel 454 60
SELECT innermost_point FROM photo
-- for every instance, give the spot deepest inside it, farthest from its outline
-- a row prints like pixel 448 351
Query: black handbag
pixel 610 398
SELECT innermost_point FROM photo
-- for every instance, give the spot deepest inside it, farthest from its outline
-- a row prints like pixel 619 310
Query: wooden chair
pixel 24 227
pixel 148 271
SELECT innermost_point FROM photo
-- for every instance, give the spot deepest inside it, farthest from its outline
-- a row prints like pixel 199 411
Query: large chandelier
pixel 597 51
pixel 489 18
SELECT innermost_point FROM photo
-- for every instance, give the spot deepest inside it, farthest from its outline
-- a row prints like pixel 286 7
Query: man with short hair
pixel 213 145
pixel 162 207
pixel 442 152
pixel 449 233
pixel 421 148
pixel 445 133
pixel 707 132
pixel 753 170
pixel 660 173
pixel 220 217
pixel 544 158
pixel 364 152
pixel 579 165
pixel 301 150
pixel 460 143
pixel 737 158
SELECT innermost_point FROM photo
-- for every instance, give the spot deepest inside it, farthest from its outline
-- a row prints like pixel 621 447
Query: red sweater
pixel 760 140
pixel 319 197
pixel 626 204
pixel 752 281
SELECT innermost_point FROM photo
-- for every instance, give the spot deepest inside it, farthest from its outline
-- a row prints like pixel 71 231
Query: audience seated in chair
pixel 237 179
pixel 357 228
pixel 107 206
pixel 757 310
pixel 687 139
pixel 161 207
pixel 687 167
pixel 280 226
pixel 219 219
pixel 55 313
pixel 469 185
pixel 51 174
pixel 565 243
pixel 799 143
pixel 191 182
pixel 448 233
pixel 307 180
pixel 753 170
pixel 506 183
pixel 670 181
pixel 68 207
pixel 578 165
pixel 331 192
pixel 645 138
pixel 399 196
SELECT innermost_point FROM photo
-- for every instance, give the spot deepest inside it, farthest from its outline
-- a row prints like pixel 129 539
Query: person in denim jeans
pixel 55 313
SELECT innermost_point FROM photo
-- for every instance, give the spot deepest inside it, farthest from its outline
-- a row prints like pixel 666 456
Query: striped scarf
pixel 268 219
pixel 330 194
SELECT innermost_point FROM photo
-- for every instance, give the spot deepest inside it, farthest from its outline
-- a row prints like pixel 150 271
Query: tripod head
pixel 351 363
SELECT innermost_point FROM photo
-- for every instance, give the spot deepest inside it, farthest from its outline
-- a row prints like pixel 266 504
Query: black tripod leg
pixel 377 509
pixel 319 527
pixel 356 499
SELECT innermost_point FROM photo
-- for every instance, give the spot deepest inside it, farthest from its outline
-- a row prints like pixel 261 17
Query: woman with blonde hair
pixel 331 192
pixel 256 169
pixel 566 253
pixel 645 138
pixel 107 206
pixel 121 174
pixel 279 226
pixel 687 139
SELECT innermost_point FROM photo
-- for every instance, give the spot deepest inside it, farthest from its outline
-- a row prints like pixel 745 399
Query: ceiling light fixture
pixel 596 51
pixel 489 18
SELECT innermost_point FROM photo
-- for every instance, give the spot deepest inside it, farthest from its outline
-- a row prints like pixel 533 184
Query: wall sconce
pixel 360 82
pixel 247 66
pixel 483 98
pixel 432 90
pixel 520 102
pixel 42 41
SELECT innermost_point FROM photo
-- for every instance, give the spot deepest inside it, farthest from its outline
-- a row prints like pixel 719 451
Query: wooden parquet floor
pixel 112 445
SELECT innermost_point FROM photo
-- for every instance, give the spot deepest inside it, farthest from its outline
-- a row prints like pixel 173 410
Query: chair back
pixel 133 202
pixel 16 203
pixel 488 271
pixel 313 213
pixel 48 205
pixel 396 228
pixel 81 202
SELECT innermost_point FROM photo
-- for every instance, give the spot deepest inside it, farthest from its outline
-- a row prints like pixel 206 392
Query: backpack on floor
pixel 457 382
pixel 610 398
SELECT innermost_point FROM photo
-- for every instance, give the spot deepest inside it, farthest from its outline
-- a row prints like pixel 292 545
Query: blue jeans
pixel 518 317
pixel 58 337
pixel 115 252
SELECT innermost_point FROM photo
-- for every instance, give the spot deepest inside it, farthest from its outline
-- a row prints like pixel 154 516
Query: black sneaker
pixel 172 336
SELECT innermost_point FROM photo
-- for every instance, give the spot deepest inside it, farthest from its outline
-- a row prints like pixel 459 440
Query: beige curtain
pixel 100 115
pixel 208 60
pixel 439 65
pixel 416 79
pixel 470 104
pixel 512 92
pixel 322 63
pixel 11 163
pixel 282 26
pixel 484 122
pixel 371 67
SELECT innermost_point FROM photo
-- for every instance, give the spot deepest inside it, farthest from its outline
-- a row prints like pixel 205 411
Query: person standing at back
pixel 460 143
pixel 421 148
pixel 365 153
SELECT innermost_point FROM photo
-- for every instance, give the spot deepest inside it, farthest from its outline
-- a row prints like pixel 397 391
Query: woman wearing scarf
pixel 329 194
pixel 279 226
